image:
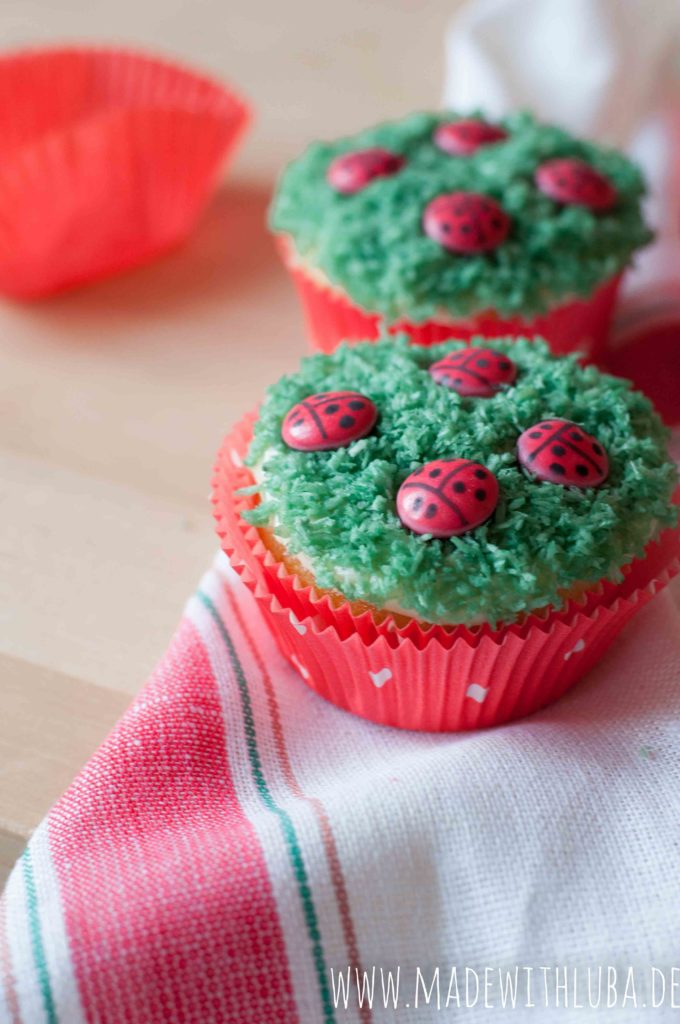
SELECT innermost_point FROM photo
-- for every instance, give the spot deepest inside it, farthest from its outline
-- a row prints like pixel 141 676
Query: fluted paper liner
pixel 107 158
pixel 581 325
pixel 437 678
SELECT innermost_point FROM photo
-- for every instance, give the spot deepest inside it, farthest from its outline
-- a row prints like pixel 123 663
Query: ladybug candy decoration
pixel 466 222
pixel 330 419
pixel 561 452
pixel 474 372
pixel 576 183
pixel 447 497
pixel 351 172
pixel 461 138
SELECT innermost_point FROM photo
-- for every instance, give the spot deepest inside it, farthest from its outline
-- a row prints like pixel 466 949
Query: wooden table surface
pixel 113 399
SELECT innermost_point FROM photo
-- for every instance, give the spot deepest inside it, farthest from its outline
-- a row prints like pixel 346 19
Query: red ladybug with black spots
pixel 447 497
pixel 466 222
pixel 330 419
pixel 461 138
pixel 474 372
pixel 561 452
pixel 576 183
pixel 351 172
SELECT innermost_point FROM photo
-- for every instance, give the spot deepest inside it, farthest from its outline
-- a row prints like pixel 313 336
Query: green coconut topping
pixel 338 508
pixel 371 244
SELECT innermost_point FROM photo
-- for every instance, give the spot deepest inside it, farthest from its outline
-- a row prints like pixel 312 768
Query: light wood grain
pixel 55 718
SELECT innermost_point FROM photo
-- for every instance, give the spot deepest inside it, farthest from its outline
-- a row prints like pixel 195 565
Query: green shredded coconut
pixel 371 244
pixel 337 508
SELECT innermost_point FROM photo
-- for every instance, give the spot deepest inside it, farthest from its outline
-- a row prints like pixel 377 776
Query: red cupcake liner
pixel 581 325
pixel 433 678
pixel 107 158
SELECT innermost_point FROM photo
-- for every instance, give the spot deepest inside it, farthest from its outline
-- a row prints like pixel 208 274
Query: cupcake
pixel 446 226
pixel 446 537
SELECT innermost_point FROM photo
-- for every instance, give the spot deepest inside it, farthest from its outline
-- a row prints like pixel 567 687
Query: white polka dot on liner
pixel 578 646
pixel 477 692
pixel 381 677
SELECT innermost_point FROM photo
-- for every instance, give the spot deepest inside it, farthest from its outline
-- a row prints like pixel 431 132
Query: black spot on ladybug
pixel 347 421
pixel 459 487
pixel 430 511
pixel 581 469
pixel 558 450
pixel 535 434
pixel 597 448
pixel 435 472
pixel 417 504
pixel 480 474
pixel 330 409
pixel 556 468
pixel 356 405
pixel 482 363
pixel 504 365
pixel 480 494
pixel 576 435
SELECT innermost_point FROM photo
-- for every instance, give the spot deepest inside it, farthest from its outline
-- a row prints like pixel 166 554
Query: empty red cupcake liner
pixel 581 325
pixel 107 158
pixel 437 678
